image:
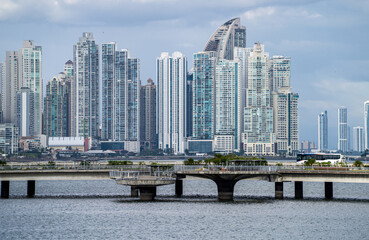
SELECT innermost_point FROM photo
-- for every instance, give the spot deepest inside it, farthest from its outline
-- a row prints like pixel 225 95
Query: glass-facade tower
pixel 323 131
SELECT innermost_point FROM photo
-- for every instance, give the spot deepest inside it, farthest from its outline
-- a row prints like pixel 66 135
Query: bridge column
pixel 134 191
pixel 179 187
pixel 279 190
pixel 147 193
pixel 299 190
pixel 5 189
pixel 225 189
pixel 328 188
pixel 31 188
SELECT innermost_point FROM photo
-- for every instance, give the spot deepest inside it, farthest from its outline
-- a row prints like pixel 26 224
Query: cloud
pixel 8 8
pixel 259 12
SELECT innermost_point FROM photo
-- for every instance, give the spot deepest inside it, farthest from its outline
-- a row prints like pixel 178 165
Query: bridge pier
pixel 5 186
pixel 279 190
pixel 299 191
pixel 31 188
pixel 328 188
pixel 147 193
pixel 134 191
pixel 179 187
pixel 225 189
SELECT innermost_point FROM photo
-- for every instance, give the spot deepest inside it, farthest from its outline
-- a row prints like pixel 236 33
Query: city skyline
pixel 323 66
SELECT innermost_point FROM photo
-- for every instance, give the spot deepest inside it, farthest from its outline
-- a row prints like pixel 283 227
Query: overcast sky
pixel 328 41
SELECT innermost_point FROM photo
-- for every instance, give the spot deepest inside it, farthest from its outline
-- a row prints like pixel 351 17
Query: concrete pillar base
pixel 134 191
pixel 328 188
pixel 31 188
pixel 225 189
pixel 279 190
pixel 5 186
pixel 147 193
pixel 179 187
pixel 299 192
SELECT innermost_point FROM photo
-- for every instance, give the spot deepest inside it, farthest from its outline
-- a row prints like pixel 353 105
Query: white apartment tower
pixel 171 75
pixel 358 135
pixel 323 131
pixel 342 130
pixel 366 125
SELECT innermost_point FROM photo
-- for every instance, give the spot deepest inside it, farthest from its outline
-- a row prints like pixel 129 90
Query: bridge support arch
pixel 328 189
pixel 225 189
pixel 279 190
pixel 5 186
pixel 299 192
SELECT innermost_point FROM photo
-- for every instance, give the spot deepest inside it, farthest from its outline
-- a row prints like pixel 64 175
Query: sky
pixel 327 40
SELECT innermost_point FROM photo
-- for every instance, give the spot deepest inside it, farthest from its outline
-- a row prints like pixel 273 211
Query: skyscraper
pixel 323 131
pixel 203 95
pixel 189 104
pixel 286 121
pixel 366 125
pixel 279 72
pixel 85 86
pixel 25 113
pixel 148 115
pixel 217 88
pixel 342 129
pixel 171 101
pixel 258 137
pixel 57 107
pixel 358 135
pixel 22 68
pixel 30 74
pixel 121 97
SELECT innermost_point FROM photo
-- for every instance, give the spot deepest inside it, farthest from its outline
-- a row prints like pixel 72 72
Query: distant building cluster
pixel 349 140
pixel 235 99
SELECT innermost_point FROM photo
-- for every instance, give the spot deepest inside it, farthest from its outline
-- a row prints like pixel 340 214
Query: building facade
pixel 25 113
pixel 258 137
pixel 358 139
pixel 148 115
pixel 279 72
pixel 323 131
pixel 366 125
pixel 171 72
pixel 342 130
pixel 85 87
pixel 57 106
pixel 286 121
pixel 9 136
pixel 121 97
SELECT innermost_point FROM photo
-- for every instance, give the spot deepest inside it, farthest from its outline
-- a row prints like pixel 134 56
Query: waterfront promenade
pixel 144 179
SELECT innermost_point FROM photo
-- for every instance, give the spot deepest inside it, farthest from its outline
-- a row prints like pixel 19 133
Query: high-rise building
pixel 342 130
pixel 227 92
pixel 217 88
pixel 203 95
pixel 286 121
pixel 121 97
pixel 85 86
pixel 69 69
pixel 323 131
pixel 189 104
pixel 148 115
pixel 57 106
pixel 22 68
pixel 258 136
pixel 171 72
pixel 10 84
pixel 25 113
pixel 279 72
pixel 358 135
pixel 9 135
pixel 366 125
pixel 30 74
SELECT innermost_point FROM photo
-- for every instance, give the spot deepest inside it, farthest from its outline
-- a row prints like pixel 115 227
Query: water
pixel 104 210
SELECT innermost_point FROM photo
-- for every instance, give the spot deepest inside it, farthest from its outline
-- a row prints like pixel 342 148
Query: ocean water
pixel 104 210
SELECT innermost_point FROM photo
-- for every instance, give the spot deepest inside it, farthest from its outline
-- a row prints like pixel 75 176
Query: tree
pixel 310 162
pixel 358 163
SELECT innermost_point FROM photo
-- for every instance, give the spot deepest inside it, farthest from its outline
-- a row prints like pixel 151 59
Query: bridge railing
pixel 92 166
pixel 204 168
pixel 135 175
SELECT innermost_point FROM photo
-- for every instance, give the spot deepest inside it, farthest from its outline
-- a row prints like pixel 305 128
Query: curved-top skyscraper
pixel 229 35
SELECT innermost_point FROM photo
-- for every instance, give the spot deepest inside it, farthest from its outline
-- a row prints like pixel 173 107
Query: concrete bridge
pixel 145 178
